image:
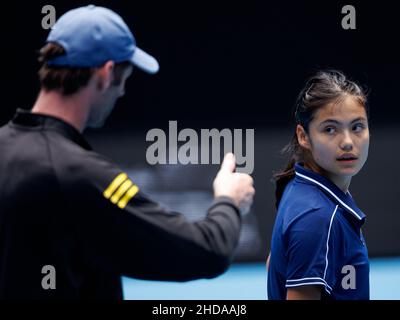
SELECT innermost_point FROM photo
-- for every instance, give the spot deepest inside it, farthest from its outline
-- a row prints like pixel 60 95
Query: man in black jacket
pixel 68 210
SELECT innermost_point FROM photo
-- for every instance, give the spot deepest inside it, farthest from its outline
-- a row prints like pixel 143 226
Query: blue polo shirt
pixel 317 240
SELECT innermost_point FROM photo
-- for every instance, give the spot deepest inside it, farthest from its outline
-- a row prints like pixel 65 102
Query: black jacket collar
pixel 27 119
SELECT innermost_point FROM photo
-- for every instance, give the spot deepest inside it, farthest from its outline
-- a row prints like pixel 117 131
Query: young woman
pixel 317 248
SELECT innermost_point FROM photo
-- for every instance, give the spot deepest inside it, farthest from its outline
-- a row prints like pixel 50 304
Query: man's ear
pixel 105 75
pixel 302 137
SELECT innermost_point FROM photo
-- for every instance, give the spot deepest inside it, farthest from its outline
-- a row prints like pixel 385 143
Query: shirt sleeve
pixel 311 250
pixel 124 231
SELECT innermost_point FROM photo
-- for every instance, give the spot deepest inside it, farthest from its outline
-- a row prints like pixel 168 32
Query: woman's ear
pixel 105 75
pixel 302 137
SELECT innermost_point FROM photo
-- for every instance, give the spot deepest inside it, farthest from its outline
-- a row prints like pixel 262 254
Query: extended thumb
pixel 229 163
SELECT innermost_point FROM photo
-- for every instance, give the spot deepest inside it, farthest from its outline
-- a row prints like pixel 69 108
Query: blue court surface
pixel 247 281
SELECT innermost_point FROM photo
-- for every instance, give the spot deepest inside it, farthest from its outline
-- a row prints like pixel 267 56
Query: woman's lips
pixel 347 158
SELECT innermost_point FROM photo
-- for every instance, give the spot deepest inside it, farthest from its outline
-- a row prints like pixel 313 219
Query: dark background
pixel 226 64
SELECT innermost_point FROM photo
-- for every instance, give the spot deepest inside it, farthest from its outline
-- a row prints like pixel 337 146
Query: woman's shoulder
pixel 305 203
pixel 305 196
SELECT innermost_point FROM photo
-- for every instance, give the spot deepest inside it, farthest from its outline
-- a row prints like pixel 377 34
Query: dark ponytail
pixel 321 89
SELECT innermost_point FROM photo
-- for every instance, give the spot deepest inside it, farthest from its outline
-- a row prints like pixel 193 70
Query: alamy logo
pixel 349 20
pixel 49 19
pixel 349 280
pixel 210 140
pixel 49 280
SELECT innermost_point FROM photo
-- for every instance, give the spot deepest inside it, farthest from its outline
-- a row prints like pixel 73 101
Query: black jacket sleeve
pixel 123 231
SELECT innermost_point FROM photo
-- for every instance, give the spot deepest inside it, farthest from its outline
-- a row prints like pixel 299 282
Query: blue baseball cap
pixel 92 35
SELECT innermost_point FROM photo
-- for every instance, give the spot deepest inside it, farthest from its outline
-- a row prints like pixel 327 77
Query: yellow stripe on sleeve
pixel 120 191
pixel 128 196
pixel 114 185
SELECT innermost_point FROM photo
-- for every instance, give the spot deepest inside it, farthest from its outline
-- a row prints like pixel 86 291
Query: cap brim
pixel 145 61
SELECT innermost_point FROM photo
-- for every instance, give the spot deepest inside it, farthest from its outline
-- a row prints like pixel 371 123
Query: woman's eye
pixel 330 130
pixel 358 127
